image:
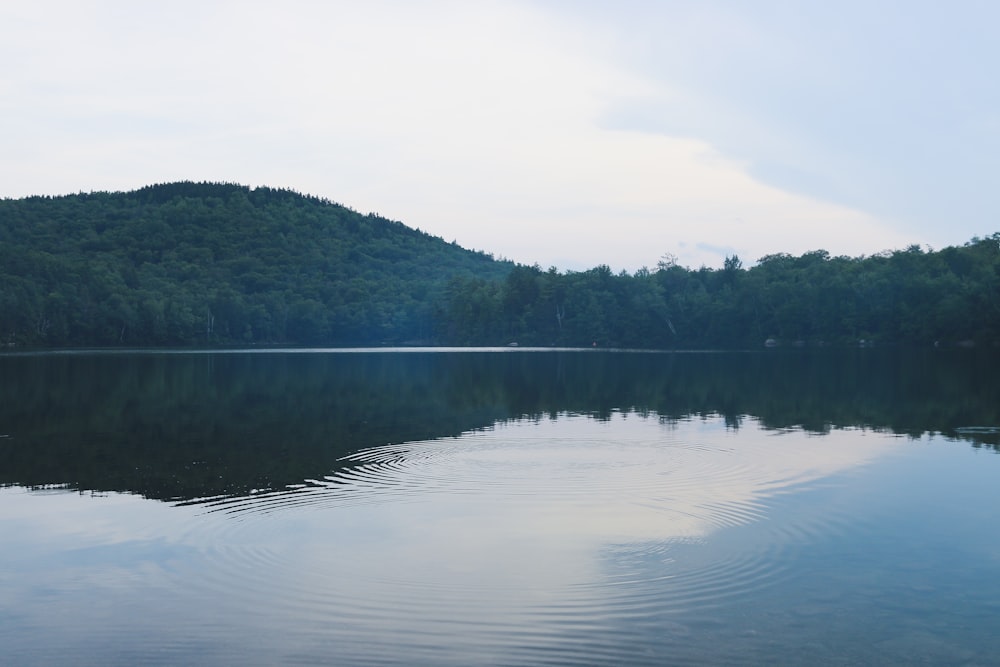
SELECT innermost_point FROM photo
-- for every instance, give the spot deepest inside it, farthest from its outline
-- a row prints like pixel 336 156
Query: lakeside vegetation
pixel 186 264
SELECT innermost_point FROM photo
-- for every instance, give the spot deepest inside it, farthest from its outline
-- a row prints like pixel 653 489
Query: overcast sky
pixel 560 132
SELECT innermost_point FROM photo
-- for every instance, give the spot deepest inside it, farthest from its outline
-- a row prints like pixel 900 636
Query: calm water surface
pixel 499 507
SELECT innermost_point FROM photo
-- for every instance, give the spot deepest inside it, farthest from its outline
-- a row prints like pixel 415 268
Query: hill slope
pixel 202 263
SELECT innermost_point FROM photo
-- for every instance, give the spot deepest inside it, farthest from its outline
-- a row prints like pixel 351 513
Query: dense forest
pixel 210 264
pixel 911 296
pixel 223 264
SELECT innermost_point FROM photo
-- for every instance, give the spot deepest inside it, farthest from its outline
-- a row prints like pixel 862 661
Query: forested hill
pixel 219 264
pixel 203 263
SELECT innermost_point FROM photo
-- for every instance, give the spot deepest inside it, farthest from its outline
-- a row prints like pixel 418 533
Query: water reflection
pixel 565 507
pixel 572 539
pixel 629 478
pixel 185 426
pixel 531 536
pixel 561 508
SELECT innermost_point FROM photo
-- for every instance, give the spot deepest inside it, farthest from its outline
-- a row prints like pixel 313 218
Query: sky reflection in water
pixel 588 538
pixel 562 508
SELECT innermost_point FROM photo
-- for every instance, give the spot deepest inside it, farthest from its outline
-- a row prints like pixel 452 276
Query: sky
pixel 566 133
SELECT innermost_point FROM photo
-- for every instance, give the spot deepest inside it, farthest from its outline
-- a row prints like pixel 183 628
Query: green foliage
pixel 904 297
pixel 222 264
pixel 207 263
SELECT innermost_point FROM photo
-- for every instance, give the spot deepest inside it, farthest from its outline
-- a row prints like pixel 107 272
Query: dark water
pixel 500 507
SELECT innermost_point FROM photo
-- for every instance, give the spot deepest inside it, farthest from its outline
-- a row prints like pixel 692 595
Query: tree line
pixel 186 264
pixel 910 296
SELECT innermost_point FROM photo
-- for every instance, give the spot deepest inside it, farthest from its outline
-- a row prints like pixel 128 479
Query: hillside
pixel 195 264
pixel 201 263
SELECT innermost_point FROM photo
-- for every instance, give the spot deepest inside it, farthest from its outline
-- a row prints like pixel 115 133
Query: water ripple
pixel 523 535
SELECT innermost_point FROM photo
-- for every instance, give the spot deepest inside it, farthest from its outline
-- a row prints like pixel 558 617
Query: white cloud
pixel 482 123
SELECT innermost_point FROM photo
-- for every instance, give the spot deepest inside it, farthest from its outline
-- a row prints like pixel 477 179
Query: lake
pixel 500 507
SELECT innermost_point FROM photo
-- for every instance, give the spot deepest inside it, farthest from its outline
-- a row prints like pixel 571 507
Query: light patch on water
pixel 506 527
pixel 533 534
